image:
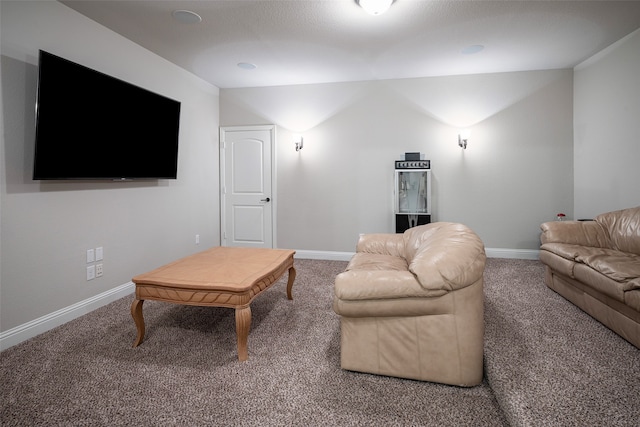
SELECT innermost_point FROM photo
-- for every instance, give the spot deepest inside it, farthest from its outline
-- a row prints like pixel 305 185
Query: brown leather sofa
pixel 411 305
pixel 596 265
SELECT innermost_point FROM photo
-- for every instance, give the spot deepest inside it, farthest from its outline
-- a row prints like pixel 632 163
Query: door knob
pixel 265 200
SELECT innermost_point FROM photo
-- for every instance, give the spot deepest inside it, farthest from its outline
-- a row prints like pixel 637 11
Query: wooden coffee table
pixel 221 277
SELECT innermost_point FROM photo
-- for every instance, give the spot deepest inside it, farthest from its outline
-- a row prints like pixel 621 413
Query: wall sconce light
pixel 463 137
pixel 298 141
pixel 375 7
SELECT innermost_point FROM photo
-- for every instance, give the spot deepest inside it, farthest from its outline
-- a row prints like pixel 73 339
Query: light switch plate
pixel 91 272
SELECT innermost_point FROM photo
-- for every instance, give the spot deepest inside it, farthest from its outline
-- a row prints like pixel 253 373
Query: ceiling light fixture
pixel 247 66
pixel 470 50
pixel 186 16
pixel 375 7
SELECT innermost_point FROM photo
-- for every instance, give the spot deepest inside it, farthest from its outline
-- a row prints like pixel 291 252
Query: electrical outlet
pixel 91 272
pixel 99 270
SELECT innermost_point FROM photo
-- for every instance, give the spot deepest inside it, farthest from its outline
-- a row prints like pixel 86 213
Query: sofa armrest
pixel 582 233
pixel 381 243
pixel 358 285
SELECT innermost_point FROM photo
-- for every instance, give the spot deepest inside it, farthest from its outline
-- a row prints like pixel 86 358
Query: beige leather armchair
pixel 411 305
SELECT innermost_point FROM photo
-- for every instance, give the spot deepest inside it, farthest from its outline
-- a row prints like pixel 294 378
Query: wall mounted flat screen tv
pixel 93 126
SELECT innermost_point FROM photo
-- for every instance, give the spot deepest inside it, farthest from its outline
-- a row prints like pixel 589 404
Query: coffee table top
pixel 223 268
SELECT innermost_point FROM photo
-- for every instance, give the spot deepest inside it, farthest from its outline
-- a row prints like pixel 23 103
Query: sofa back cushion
pixel 623 227
pixel 444 255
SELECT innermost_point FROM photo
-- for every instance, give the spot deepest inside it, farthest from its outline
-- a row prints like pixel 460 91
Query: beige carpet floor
pixel 546 363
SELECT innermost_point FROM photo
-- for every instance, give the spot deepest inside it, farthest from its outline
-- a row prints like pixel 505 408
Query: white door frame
pixel 274 198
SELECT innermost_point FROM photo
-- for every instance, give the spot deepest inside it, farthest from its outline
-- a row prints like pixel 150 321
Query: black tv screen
pixel 93 126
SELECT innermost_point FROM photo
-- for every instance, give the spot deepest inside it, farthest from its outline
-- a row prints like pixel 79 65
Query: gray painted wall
pixel 607 129
pixel 516 173
pixel 47 227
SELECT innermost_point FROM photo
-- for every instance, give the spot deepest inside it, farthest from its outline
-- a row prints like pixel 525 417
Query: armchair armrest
pixel 358 285
pixel 361 293
pixel 582 233
pixel 381 243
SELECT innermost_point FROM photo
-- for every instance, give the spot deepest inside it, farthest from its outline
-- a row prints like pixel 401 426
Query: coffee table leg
pixel 243 324
pixel 136 313
pixel 292 277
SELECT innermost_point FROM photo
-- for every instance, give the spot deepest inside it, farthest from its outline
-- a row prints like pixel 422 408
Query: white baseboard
pixel 491 253
pixel 512 253
pixel 325 255
pixel 43 324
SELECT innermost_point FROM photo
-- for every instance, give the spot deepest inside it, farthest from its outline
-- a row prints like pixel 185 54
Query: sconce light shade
pixel 463 137
pixel 298 141
pixel 375 7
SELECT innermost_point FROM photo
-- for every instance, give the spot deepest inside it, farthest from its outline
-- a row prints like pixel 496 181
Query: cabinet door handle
pixel 265 200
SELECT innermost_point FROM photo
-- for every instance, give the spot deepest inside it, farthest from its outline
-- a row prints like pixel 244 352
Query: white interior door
pixel 247 186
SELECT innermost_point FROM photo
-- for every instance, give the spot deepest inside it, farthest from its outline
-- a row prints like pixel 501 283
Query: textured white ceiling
pixel 318 41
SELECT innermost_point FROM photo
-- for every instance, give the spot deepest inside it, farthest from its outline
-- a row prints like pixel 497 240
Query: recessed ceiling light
pixel 470 50
pixel 186 16
pixel 247 66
